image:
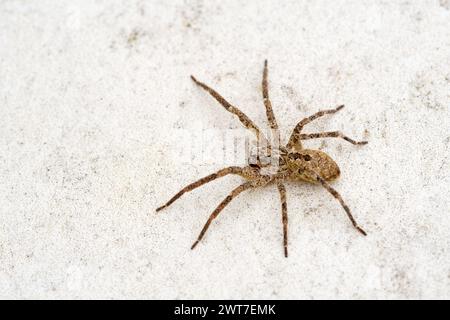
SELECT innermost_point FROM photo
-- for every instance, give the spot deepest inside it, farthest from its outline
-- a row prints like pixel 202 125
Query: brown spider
pixel 293 162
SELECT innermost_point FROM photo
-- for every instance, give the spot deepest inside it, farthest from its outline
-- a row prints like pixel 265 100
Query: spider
pixel 293 161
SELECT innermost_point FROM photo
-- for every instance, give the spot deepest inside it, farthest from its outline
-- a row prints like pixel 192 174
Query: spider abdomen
pixel 304 164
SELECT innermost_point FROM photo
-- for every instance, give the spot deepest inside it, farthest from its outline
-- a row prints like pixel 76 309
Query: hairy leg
pixel 202 181
pixel 330 134
pixel 265 90
pixel 335 194
pixel 263 180
pixel 295 139
pixel 245 120
pixel 282 190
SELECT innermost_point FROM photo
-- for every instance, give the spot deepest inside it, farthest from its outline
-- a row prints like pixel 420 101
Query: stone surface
pixel 99 120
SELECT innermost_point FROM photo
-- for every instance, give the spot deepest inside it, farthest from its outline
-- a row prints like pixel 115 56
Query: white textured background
pixel 91 93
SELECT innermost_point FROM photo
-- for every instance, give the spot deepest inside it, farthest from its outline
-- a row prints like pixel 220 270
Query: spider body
pixel 301 164
pixel 278 164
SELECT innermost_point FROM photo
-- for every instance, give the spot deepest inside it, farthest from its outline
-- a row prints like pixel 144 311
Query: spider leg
pixel 335 194
pixel 245 120
pixel 330 134
pixel 265 91
pixel 282 190
pixel 200 182
pixel 295 139
pixel 246 185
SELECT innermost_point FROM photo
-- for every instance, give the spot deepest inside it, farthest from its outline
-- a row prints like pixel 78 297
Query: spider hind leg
pixel 338 197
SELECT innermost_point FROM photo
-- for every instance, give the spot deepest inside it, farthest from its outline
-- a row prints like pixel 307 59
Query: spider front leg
pixel 247 185
pixel 335 194
pixel 282 191
pixel 202 181
pixel 265 90
pixel 330 134
pixel 245 120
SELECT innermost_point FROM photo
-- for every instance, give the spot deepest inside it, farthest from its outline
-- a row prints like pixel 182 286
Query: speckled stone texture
pixel 96 109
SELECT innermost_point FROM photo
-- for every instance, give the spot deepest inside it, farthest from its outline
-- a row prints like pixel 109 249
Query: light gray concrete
pixel 97 108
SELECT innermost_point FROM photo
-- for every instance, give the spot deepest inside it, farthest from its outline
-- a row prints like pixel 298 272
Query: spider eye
pixel 294 155
pixel 306 157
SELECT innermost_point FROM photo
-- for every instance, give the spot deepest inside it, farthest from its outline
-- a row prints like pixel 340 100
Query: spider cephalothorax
pixel 292 162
